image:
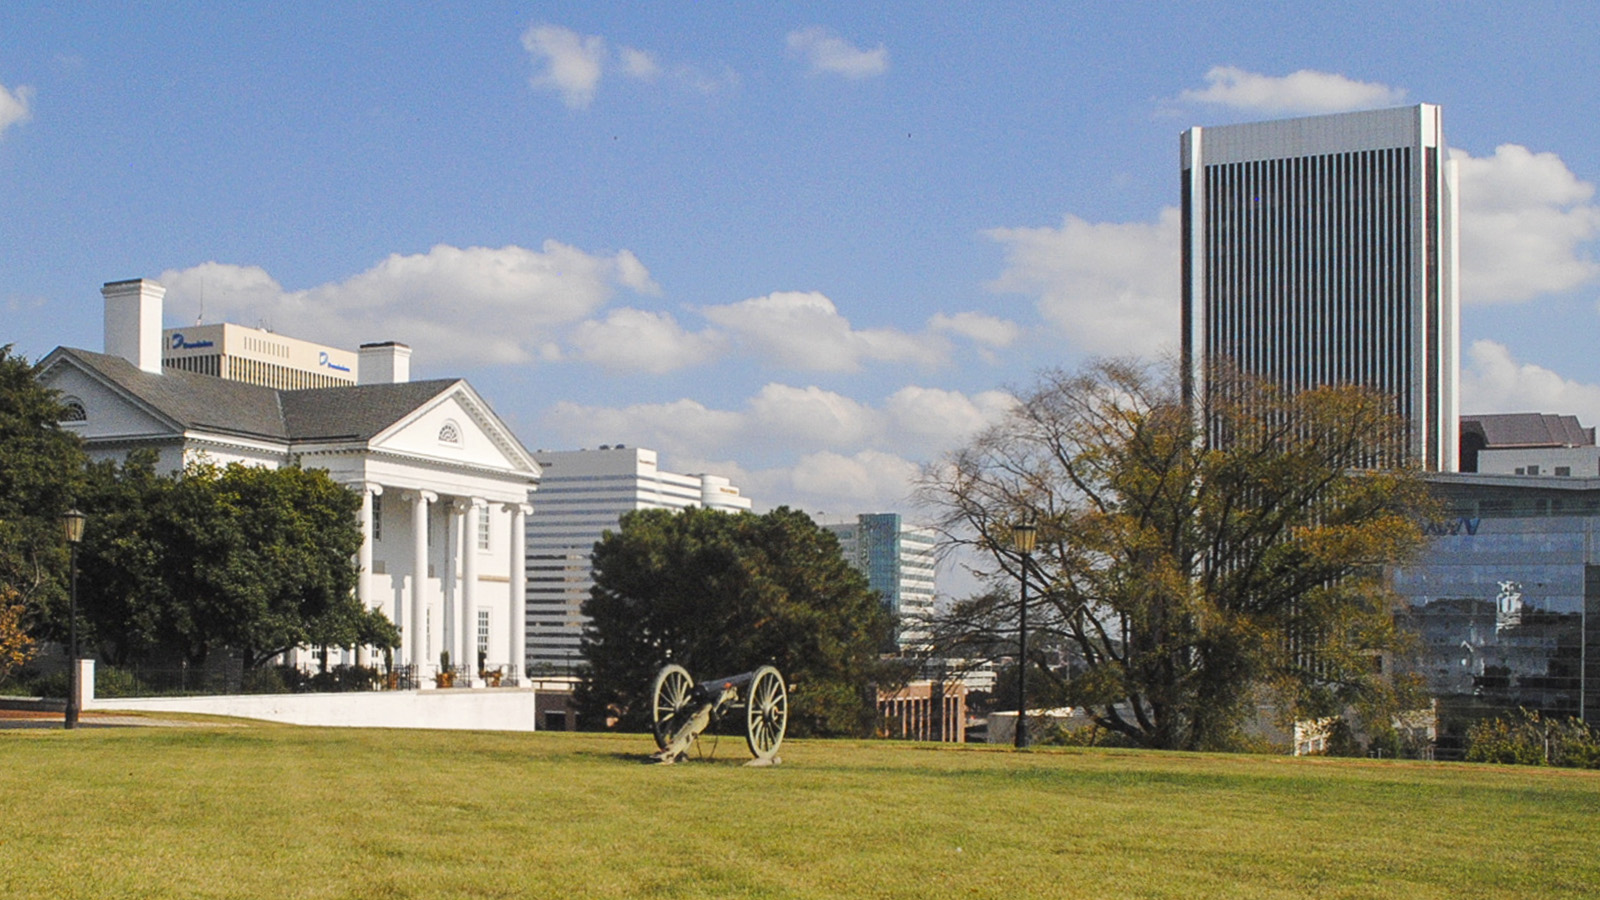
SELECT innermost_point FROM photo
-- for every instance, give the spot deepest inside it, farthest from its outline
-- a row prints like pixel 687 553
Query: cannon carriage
pixel 682 708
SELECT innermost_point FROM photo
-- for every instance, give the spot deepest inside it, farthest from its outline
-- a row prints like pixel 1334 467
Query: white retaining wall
pixel 491 709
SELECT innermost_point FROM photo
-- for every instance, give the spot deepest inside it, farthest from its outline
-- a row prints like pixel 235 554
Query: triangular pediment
pixel 110 411
pixel 456 426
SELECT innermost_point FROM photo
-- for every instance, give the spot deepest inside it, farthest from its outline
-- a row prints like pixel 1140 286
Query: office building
pixel 582 494
pixel 444 483
pixel 1505 599
pixel 899 562
pixel 1322 251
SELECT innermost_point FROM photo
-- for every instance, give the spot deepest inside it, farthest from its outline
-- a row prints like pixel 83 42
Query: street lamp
pixel 1023 538
pixel 72 525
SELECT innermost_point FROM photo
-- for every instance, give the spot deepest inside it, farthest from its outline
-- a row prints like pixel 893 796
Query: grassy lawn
pixel 283 812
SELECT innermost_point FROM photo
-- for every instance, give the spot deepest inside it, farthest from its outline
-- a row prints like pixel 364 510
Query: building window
pixel 483 633
pixel 1533 470
pixel 377 517
pixel 1564 471
pixel 483 527
pixel 450 433
pixel 72 410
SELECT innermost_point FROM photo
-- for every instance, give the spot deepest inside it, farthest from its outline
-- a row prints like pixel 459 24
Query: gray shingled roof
pixel 197 402
pixel 1529 430
pixel 208 403
pixel 355 413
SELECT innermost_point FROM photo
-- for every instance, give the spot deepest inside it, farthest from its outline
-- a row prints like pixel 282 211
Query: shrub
pixel 1529 739
pixel 110 681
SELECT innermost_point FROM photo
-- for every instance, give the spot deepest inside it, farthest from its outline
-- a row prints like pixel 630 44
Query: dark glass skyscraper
pixel 1322 251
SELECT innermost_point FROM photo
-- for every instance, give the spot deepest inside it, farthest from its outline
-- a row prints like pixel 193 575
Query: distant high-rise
pixel 899 562
pixel 1322 251
pixel 581 495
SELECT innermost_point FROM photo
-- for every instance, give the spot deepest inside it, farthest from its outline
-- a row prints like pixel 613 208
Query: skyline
pixel 805 250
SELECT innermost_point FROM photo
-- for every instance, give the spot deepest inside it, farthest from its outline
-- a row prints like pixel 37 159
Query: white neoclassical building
pixel 444 483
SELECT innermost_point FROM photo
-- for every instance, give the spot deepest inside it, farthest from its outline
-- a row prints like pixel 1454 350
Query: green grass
pixel 275 811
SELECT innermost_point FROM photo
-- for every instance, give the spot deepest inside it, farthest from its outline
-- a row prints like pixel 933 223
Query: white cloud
pixel 826 53
pixel 977 327
pixel 812 416
pixel 15 106
pixel 573 65
pixel 869 478
pixel 453 305
pixel 944 419
pixel 803 330
pixel 641 341
pixel 1493 381
pixel 825 450
pixel 572 62
pixel 1110 287
pixel 639 64
pixel 683 426
pixel 1525 218
pixel 1305 91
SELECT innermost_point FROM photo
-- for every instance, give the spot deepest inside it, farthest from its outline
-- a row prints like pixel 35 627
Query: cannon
pixel 681 709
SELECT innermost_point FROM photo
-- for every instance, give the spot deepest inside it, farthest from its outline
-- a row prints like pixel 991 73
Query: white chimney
pixel 385 363
pixel 133 322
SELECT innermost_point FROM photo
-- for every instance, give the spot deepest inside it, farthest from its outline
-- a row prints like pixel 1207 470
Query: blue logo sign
pixel 178 343
pixel 1458 526
pixel 322 360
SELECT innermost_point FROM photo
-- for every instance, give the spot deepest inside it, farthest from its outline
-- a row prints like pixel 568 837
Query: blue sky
pixel 806 246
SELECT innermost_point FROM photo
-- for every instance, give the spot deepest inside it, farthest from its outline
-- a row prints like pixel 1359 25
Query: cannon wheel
pixel 766 713
pixel 669 701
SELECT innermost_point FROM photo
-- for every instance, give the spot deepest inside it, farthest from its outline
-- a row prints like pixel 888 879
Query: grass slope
pixel 275 811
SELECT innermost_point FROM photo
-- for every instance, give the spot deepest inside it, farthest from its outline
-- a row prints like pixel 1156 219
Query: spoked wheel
pixel 669 699
pixel 766 713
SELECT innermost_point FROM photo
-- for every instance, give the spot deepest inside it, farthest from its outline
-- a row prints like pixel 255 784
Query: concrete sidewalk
pixel 44 718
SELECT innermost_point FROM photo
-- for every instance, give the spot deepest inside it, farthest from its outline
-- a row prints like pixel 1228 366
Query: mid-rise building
pixel 1322 251
pixel 1528 444
pixel 899 561
pixel 582 494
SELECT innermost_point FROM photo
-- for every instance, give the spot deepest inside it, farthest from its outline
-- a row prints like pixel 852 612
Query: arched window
pixel 450 434
pixel 72 410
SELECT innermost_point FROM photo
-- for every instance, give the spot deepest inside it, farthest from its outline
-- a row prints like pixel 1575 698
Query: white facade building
pixel 582 494
pixel 444 483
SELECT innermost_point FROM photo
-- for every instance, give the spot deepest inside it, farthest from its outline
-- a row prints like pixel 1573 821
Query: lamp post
pixel 72 525
pixel 1023 537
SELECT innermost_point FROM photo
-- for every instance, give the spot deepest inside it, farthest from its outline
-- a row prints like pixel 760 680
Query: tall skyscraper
pixel 582 494
pixel 1322 251
pixel 899 561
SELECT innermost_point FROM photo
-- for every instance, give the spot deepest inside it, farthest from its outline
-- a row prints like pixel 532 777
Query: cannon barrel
pixel 715 686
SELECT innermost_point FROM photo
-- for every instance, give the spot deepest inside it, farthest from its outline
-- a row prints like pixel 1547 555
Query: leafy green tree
pixel 41 470
pixel 250 559
pixel 1191 578
pixel 722 594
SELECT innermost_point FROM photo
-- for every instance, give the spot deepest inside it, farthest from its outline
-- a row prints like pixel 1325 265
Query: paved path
pixel 15 718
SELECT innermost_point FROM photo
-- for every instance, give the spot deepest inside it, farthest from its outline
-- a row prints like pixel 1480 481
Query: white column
pixel 364 557
pixel 468 509
pixel 517 634
pixel 417 649
pixel 450 586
